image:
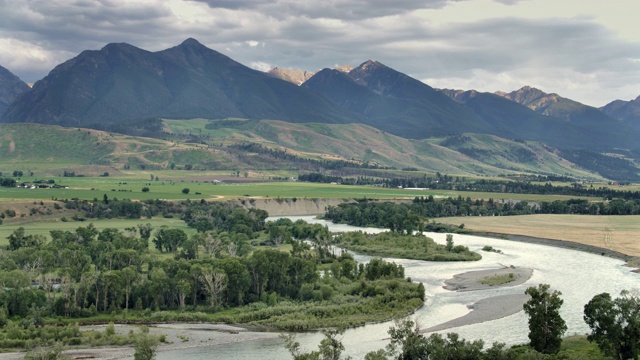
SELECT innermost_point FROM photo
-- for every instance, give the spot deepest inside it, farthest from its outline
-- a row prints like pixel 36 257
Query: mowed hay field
pixel 618 233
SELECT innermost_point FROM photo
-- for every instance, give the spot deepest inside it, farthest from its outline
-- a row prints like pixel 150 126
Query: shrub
pixel 110 330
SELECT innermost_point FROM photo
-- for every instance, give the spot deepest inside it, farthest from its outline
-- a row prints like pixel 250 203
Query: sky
pixel 586 50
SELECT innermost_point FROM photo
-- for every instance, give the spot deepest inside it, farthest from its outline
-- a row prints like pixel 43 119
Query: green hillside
pixel 269 145
pixel 34 146
pixel 363 143
pixel 514 155
pixel 38 145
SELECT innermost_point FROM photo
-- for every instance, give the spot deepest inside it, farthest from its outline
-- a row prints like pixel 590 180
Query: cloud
pixel 260 66
pixel 334 9
pixel 436 40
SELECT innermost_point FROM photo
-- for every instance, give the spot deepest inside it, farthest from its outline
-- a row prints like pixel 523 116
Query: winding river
pixel 578 275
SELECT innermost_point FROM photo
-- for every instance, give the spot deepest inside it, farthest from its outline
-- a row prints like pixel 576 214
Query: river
pixel 578 275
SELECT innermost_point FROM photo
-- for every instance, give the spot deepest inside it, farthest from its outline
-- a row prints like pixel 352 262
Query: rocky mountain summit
pixel 294 76
pixel 299 77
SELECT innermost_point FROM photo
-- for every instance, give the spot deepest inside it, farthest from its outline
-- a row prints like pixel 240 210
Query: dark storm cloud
pixel 335 9
pixel 74 26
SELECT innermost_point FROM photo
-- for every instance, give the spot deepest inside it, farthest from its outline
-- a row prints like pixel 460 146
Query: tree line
pixel 448 182
pixel 408 217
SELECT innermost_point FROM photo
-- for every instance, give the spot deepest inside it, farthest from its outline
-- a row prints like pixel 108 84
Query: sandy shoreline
pixel 179 336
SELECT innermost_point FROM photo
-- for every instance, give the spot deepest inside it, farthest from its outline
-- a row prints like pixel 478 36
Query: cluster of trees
pixel 406 246
pixel 316 177
pixel 87 271
pixel 408 217
pixel 235 260
pixel 7 182
pixel 614 325
pixel 201 215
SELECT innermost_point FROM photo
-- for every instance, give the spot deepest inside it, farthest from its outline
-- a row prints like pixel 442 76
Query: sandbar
pixel 470 281
pixel 488 309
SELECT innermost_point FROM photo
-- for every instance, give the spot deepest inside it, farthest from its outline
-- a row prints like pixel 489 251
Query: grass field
pixel 201 186
pixel 619 233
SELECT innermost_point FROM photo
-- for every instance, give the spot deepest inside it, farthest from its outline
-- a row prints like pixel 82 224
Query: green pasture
pixel 130 187
pixel 44 227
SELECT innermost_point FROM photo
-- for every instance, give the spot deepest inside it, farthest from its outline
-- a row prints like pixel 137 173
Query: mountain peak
pixel 191 42
pixel 118 47
pixel 370 65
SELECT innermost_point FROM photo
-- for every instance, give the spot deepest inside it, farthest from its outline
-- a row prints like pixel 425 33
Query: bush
pixel 145 189
pixel 110 330
pixel 185 191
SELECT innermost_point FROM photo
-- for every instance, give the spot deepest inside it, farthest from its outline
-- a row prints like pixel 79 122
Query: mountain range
pixel 121 84
pixel 627 111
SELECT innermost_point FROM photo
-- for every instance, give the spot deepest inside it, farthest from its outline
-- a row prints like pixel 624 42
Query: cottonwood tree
pixel 546 326
pixel 128 276
pixel 615 324
pixel 213 242
pixel 169 239
pixel 145 230
pixel 183 285
pixel 215 282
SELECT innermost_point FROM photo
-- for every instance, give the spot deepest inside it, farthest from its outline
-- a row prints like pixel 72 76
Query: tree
pixel 145 189
pixel 615 324
pixel 449 246
pixel 330 347
pixel 145 230
pixel 407 342
pixel 129 276
pixel 546 326
pixel 215 282
pixel 169 239
pixel 185 191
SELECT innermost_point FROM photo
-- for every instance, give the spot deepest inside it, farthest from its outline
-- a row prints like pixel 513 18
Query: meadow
pixel 618 233
pixel 202 185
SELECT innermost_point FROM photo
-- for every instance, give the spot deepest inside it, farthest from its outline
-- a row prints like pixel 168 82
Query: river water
pixel 578 275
